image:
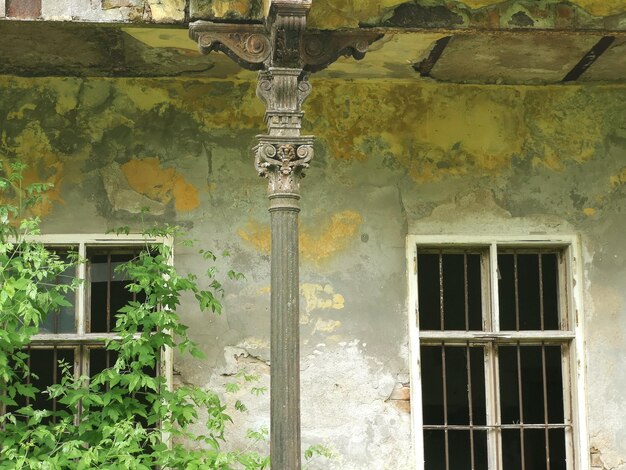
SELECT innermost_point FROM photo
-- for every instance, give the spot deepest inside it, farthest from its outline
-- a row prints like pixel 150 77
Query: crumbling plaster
pixel 392 158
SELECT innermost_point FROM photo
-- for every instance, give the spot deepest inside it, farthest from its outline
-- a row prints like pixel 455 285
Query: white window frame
pixel 578 450
pixel 81 337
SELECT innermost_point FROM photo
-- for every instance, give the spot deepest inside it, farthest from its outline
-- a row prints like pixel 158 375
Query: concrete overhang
pixel 456 56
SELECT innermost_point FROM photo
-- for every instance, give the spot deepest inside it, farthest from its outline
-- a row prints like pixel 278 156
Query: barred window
pixel 494 342
pixel 77 335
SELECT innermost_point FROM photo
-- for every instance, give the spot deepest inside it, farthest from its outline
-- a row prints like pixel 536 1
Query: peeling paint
pixel 167 11
pixel 43 164
pixel 350 13
pixel 618 179
pixel 148 177
pixel 316 245
pixel 326 326
pixel 322 297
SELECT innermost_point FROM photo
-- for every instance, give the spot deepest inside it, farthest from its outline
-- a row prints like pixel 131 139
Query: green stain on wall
pixel 431 132
pixel 330 14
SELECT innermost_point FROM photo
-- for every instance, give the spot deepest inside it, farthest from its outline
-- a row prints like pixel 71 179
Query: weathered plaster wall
pixel 393 158
pixel 558 14
pixel 331 14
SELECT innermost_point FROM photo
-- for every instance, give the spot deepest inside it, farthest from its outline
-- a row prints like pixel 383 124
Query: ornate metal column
pixel 285 53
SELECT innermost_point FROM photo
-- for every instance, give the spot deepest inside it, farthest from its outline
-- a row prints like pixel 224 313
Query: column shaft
pixel 285 334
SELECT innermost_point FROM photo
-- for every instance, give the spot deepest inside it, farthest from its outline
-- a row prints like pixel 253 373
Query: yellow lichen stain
pixel 19 114
pixel 433 131
pixel 333 237
pixel 595 7
pixel 329 14
pixel 326 326
pixel 148 177
pixel 66 90
pixel 316 245
pixel 167 10
pixel 144 97
pixel 257 234
pixel 225 8
pixel 618 179
pixel 33 148
pixel 320 297
pixel 563 126
pixel 602 7
pixel 589 211
pixel 437 131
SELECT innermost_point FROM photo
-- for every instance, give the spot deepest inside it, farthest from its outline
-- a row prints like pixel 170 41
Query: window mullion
pixel 81 291
pixel 493 311
pixel 491 364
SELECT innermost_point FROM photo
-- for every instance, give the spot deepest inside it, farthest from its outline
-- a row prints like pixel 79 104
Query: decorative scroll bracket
pixel 283 44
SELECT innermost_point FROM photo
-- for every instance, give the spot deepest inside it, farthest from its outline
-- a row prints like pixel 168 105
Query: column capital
pixel 283 161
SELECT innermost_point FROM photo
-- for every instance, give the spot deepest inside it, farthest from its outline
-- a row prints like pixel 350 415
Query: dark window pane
pixel 456 385
pixel 554 374
pixel 459 450
pixel 532 384
pixel 536 277
pixel 550 277
pixel 535 449
pixel 457 397
pixel 434 450
pixel 460 453
pixel 432 384
pixel 453 292
pixel 531 387
pixel 428 286
pixel 506 292
pixel 557 449
pixel 509 391
pixel 460 289
pixel 480 450
pixel 44 372
pixel 108 288
pixel 63 320
pixel 529 299
pixel 477 364
pixel 512 450
pixel 100 359
pixel 474 291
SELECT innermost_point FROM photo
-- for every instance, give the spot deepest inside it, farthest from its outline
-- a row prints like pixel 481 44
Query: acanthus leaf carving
pixel 283 162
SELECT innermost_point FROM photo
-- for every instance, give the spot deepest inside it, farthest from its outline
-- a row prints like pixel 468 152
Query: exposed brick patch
pixel 23 9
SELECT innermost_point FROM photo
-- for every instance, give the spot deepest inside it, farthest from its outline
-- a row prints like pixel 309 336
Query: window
pixel 495 343
pixel 77 334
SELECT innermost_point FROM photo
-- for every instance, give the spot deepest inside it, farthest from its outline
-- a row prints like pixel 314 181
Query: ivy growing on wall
pixel 126 416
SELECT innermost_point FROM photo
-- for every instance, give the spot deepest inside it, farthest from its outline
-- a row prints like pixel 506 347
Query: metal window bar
pixel 470 405
pixel 445 406
pixel 545 404
pixel 108 300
